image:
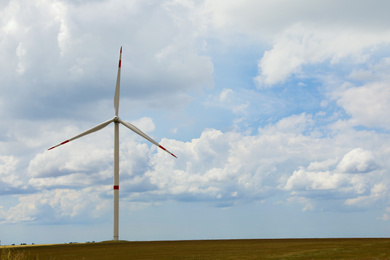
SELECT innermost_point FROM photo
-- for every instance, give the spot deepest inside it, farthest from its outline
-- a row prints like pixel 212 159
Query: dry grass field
pixel 356 248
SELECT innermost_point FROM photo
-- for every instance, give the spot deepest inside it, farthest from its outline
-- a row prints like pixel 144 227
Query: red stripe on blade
pixel 58 145
pixel 119 64
pixel 116 187
pixel 167 151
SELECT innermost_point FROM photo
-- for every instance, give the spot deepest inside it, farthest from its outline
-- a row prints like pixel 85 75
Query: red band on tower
pixel 116 187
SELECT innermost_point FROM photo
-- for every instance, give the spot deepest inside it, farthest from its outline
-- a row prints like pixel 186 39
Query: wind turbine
pixel 116 121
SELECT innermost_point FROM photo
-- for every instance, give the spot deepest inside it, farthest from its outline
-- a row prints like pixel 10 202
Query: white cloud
pixel 8 178
pixel 61 59
pixel 266 17
pixel 374 72
pixel 292 124
pixel 301 45
pixel 145 123
pixel 321 166
pixel 77 158
pixel 161 57
pixel 57 206
pixel 368 104
pixel 378 192
pixel 357 161
pixel 386 216
pixel 301 33
pixel 304 180
pixel 232 101
pixel 222 168
pixel 20 52
pixel 228 166
pixel 308 203
pixel 341 180
pixel 254 166
pixel 224 96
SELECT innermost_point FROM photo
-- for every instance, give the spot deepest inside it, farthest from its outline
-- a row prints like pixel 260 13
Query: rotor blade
pixel 118 83
pixel 136 130
pixel 93 129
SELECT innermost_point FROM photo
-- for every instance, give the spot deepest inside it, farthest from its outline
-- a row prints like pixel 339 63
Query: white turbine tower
pixel 116 121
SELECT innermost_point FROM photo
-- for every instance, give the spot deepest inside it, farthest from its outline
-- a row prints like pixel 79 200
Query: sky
pixel 277 110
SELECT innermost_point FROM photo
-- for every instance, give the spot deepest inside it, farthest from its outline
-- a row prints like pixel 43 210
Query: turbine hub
pixel 116 119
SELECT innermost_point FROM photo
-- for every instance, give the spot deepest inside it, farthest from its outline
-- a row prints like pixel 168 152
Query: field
pixel 352 248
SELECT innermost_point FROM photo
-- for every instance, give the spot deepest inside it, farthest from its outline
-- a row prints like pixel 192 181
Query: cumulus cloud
pixel 145 123
pixel 9 180
pixel 63 64
pixel 368 105
pixel 341 180
pixel 255 166
pixel 217 165
pixel 302 33
pixel 266 17
pixel 160 63
pixel 303 180
pixel 378 192
pixel 219 168
pixel 56 206
pixel 302 45
pixel 78 158
pixel 357 161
